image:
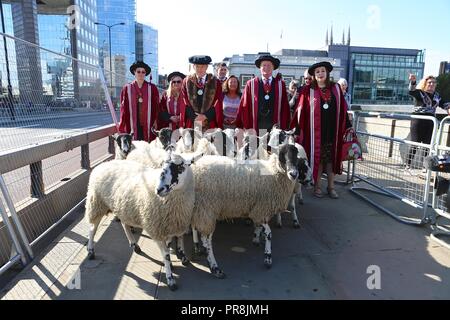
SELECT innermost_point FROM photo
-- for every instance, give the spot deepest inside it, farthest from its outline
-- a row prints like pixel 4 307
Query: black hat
pixel 200 60
pixel 325 64
pixel 140 64
pixel 175 74
pixel 267 57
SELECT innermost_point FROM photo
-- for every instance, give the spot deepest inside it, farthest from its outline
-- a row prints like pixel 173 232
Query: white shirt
pixel 270 80
pixel 202 78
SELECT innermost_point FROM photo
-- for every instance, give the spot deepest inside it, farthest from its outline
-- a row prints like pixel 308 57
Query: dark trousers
pixel 421 131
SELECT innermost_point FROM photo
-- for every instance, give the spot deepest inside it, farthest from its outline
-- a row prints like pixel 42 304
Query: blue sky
pixel 223 28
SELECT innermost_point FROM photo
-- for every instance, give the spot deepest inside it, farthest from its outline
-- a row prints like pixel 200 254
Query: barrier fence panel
pixel 387 151
pixel 440 209
pixel 56 116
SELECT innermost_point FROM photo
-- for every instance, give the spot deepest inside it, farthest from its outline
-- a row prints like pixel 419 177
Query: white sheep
pixel 226 189
pixel 251 150
pixel 158 200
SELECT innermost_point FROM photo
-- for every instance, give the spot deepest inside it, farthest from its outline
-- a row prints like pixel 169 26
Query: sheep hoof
pixel 256 242
pixel 268 260
pixel 200 250
pixel 133 230
pixel 248 222
pixel 173 286
pixel 184 261
pixel 136 248
pixel 296 225
pixel 91 254
pixel 279 225
pixel 268 263
pixel 300 201
pixel 116 219
pixel 219 274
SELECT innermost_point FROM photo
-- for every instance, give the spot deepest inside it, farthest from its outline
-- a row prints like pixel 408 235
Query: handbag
pixel 351 148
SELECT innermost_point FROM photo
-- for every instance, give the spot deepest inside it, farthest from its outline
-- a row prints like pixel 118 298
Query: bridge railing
pixel 53 112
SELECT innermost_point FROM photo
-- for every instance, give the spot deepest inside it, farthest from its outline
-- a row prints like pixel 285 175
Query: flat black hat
pixel 325 64
pixel 267 57
pixel 175 74
pixel 140 64
pixel 200 60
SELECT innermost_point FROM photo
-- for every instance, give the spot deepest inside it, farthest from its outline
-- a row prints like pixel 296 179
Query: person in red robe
pixel 202 94
pixel 172 102
pixel 321 120
pixel 139 105
pixel 264 102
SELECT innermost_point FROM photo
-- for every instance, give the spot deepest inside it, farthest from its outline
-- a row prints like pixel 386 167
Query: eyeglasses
pixel 140 72
pixel 177 81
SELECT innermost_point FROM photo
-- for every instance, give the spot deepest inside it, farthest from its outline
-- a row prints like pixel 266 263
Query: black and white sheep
pixel 226 189
pixel 160 201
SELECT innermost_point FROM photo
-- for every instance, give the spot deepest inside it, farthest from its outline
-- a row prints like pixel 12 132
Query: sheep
pixel 225 188
pixel 160 201
pixel 277 137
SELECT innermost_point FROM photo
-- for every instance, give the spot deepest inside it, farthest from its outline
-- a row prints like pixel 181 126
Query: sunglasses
pixel 140 72
pixel 177 81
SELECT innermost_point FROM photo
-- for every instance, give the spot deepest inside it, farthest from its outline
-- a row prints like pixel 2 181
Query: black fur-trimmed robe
pixel 211 105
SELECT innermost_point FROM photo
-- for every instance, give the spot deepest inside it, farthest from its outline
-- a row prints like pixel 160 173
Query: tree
pixel 443 86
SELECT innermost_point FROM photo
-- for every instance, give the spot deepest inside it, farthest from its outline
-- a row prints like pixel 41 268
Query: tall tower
pixel 326 39
pixel 331 37
pixel 348 36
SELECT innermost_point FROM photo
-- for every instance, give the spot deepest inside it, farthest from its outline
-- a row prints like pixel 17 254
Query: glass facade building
pixel 147 48
pixel 123 37
pixel 383 78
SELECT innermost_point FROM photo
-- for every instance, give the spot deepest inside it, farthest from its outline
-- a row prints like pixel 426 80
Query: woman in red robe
pixel 264 102
pixel 202 94
pixel 321 120
pixel 172 102
pixel 139 105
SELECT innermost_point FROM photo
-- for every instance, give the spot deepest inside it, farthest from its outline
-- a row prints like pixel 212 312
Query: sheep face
pixel 304 171
pixel 173 175
pixel 279 137
pixel 289 161
pixel 187 135
pixel 124 142
pixel 165 137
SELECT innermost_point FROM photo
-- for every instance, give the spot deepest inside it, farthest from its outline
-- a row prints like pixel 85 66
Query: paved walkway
pixel 327 258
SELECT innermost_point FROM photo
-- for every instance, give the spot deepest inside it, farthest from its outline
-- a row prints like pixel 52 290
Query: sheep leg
pixel 268 245
pixel 279 224
pixel 92 231
pixel 198 249
pixel 257 235
pixel 131 239
pixel 294 212
pixel 180 251
pixel 167 265
pixel 213 266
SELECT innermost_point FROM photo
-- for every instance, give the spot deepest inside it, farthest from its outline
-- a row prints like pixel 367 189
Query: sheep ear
pixel 115 136
pixel 155 132
pixel 290 133
pixel 190 161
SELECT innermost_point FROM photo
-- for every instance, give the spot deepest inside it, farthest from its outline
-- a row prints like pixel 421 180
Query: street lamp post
pixel 9 103
pixel 110 53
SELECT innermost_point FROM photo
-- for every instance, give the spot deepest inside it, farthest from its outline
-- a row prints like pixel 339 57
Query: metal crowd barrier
pixel 440 210
pixel 383 167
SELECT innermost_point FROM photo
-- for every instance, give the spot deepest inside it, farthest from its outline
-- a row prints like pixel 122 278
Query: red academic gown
pixel 307 118
pixel 167 105
pixel 212 98
pixel 129 109
pixel 247 116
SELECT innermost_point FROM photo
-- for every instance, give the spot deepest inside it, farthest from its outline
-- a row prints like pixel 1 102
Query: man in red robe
pixel 202 94
pixel 139 105
pixel 264 102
